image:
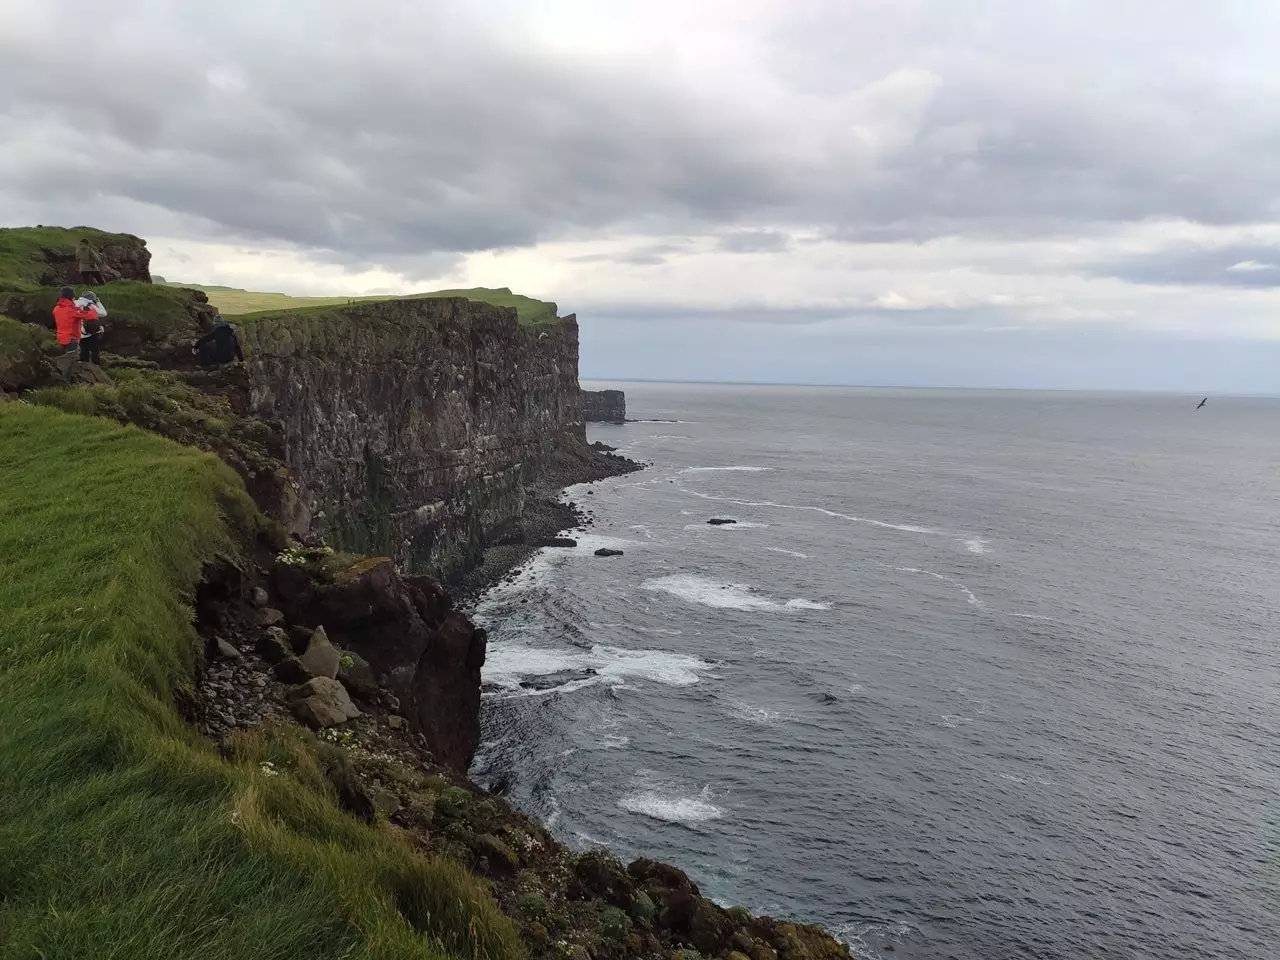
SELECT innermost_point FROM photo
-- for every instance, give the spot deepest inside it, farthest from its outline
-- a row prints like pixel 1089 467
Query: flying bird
pixel 1202 403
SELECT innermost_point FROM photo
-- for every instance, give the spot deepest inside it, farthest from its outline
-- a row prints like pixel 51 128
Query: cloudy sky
pixel 1060 193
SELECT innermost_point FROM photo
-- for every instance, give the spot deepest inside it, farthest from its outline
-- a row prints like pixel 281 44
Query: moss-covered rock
pixel 499 857
pixel 452 804
pixel 599 875
pixel 643 909
pixel 614 924
pixel 23 364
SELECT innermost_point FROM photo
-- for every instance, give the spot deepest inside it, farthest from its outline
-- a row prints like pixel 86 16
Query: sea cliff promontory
pixel 240 698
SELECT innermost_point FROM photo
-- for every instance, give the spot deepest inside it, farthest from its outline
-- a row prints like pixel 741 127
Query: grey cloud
pixel 648 255
pixel 754 241
pixel 363 139
pixel 866 318
pixel 1239 265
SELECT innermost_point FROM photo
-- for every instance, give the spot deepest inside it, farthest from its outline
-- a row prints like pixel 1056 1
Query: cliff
pixel 275 736
pixel 604 406
pixel 417 428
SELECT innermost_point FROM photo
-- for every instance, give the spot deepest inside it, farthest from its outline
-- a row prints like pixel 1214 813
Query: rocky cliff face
pixel 604 406
pixel 415 427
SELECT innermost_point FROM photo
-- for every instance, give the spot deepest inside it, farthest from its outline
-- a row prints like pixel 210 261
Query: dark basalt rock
pixel 606 552
pixel 720 521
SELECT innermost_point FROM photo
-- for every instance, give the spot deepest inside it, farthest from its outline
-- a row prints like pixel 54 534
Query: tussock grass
pixel 123 834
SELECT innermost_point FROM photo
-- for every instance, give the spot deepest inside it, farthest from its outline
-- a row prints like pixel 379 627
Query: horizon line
pixel 903 386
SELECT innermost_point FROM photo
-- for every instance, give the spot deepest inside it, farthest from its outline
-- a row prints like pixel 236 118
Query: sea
pixel 974 674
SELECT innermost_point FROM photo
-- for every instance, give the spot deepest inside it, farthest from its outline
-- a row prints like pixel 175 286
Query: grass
pixel 124 835
pixel 22 265
pixel 231 301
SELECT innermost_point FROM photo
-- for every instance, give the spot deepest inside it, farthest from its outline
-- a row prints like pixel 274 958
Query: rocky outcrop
pixel 416 427
pixel 406 646
pixel 46 256
pixel 604 406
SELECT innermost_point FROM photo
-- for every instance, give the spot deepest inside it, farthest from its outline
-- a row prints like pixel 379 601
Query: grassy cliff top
pixel 231 301
pixel 123 830
pixel 23 263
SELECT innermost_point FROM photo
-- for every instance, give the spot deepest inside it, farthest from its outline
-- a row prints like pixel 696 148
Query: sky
pixel 1011 193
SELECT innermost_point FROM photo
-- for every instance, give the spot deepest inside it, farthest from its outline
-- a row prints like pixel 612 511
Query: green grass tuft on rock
pixel 124 833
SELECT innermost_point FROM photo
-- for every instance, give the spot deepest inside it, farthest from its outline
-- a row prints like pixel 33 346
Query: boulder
pixel 710 927
pixel 273 645
pixel 385 801
pixel 291 670
pixel 270 617
pixel 356 675
pixel 606 552
pixel 300 637
pixel 258 597
pixel 598 875
pixel 223 650
pixel 720 521
pixel 499 857
pixel 321 658
pixel 322 702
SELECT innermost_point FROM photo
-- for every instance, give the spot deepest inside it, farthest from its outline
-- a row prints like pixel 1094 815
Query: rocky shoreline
pixel 385 673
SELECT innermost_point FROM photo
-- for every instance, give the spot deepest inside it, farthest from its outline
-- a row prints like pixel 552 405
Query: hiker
pixel 89 263
pixel 67 318
pixel 91 330
pixel 220 345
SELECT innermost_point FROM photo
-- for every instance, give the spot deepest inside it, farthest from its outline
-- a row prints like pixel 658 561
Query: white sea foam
pixel 510 664
pixel 789 553
pixel 904 527
pixel 977 545
pixel 723 596
pixel 969 594
pixel 760 716
pixel 948 720
pixel 1014 778
pixel 672 807
pixel 726 469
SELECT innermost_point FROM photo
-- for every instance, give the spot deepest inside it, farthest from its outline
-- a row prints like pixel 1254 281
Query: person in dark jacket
pixel 220 345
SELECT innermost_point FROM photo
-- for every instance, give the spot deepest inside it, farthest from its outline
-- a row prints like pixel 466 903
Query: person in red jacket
pixel 67 318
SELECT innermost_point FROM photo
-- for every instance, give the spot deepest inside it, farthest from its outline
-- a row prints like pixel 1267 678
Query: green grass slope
pixel 231 301
pixel 123 834
pixel 22 264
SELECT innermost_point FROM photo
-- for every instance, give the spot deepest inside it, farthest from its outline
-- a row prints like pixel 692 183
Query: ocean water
pixel 975 675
